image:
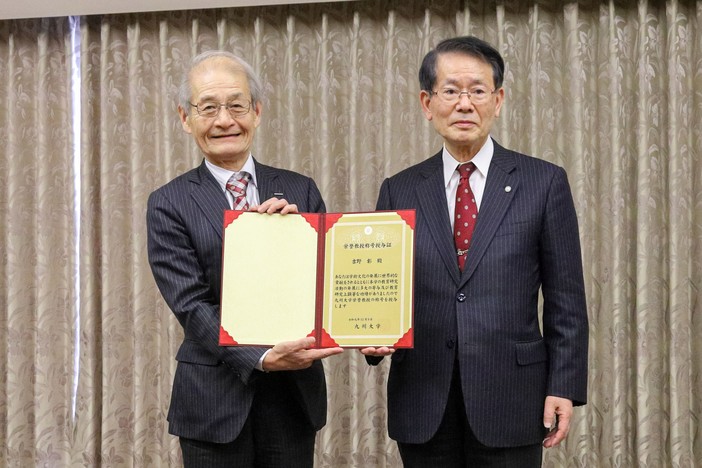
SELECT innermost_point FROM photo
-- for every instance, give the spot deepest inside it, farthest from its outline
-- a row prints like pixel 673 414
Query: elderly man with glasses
pixel 486 384
pixel 230 406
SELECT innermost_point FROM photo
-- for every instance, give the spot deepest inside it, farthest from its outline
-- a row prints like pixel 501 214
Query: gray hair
pixel 254 81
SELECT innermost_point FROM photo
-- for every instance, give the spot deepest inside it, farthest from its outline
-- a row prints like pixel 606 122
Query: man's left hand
pixel 557 415
pixel 275 205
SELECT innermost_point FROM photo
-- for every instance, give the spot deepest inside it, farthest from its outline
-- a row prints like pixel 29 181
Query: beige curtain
pixel 37 297
pixel 610 90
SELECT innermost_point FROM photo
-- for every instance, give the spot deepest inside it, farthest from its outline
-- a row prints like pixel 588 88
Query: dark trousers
pixel 277 434
pixel 454 445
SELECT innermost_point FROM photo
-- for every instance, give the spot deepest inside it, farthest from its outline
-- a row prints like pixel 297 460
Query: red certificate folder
pixel 345 278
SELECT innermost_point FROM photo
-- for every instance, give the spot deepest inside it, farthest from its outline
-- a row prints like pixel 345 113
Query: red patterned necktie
pixel 465 215
pixel 237 186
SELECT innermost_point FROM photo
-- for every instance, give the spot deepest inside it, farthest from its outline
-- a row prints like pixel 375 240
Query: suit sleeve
pixel 384 202
pixel 181 277
pixel 315 203
pixel 564 313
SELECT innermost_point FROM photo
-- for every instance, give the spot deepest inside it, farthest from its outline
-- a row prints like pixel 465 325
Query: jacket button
pixel 450 344
pixel 461 297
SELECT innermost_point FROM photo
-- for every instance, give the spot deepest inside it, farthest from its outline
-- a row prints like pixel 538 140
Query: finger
pixel 316 354
pixel 377 352
pixel 263 207
pixel 287 347
pixel 270 200
pixel 273 208
pixel 292 208
pixel 306 342
pixel 332 352
pixel 549 414
pixel 549 440
pixel 277 205
pixel 564 422
pixel 557 435
pixel 555 438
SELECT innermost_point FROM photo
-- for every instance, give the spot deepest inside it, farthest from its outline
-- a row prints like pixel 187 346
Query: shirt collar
pixel 481 160
pixel 222 175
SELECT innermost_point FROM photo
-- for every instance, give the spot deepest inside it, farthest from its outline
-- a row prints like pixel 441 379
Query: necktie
pixel 465 215
pixel 237 186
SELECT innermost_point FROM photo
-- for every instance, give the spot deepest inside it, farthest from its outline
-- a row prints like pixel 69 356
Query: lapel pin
pixel 278 194
pixel 508 189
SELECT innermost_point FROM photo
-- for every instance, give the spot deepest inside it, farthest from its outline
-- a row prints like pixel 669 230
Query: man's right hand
pixel 294 355
pixel 275 205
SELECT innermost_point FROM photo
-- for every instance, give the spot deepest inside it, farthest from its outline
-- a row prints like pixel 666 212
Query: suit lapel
pixel 209 197
pixel 500 187
pixel 431 193
pixel 266 182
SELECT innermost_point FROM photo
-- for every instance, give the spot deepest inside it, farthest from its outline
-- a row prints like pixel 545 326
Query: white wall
pixel 43 8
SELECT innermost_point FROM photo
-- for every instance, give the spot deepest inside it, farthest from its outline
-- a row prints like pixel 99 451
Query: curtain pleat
pixel 36 286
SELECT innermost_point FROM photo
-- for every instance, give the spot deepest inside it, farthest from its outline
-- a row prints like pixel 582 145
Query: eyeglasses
pixel 210 109
pixel 477 94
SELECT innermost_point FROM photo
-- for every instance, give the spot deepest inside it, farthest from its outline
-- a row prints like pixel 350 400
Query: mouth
pixel 464 124
pixel 225 136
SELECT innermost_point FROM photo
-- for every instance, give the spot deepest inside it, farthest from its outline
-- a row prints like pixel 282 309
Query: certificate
pixel 344 278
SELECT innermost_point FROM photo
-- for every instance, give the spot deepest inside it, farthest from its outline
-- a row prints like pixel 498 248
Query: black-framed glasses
pixel 210 109
pixel 476 94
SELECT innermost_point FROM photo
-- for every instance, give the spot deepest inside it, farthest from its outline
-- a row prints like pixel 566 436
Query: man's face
pixel 224 140
pixel 464 125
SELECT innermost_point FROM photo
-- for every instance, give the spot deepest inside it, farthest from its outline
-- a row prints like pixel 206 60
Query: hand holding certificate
pixel 343 278
pixel 294 355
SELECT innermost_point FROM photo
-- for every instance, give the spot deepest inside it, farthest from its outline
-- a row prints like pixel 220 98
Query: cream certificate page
pixel 268 278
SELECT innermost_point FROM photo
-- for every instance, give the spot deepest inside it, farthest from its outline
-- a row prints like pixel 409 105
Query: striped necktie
pixel 237 186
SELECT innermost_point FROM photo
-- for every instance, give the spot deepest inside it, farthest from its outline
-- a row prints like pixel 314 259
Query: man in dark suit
pixel 484 384
pixel 230 406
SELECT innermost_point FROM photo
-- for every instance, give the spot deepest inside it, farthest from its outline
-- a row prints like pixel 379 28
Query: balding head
pixel 223 58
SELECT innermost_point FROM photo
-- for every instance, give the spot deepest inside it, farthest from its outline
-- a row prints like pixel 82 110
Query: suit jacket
pixel 525 239
pixel 214 386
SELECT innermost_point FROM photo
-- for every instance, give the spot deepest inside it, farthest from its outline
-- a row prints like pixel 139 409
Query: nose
pixel 223 117
pixel 464 101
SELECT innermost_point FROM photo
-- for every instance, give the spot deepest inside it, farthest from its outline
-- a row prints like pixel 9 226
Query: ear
pixel 184 120
pixel 425 100
pixel 258 108
pixel 500 96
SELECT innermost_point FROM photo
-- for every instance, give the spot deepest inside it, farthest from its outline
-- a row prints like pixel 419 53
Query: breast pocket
pixel 516 227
